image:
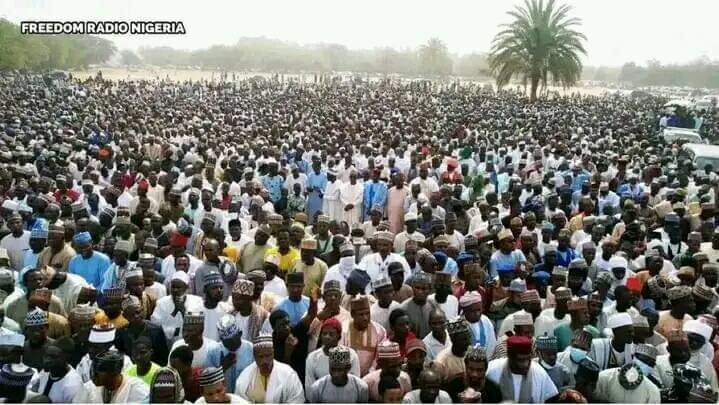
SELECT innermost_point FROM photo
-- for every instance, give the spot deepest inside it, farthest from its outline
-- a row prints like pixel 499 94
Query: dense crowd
pixel 270 241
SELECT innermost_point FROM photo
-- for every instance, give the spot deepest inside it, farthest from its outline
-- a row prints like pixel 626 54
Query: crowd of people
pixel 270 241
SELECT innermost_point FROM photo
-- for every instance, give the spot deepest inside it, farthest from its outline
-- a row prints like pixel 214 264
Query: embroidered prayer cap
pixel 410 216
pixel 640 321
pixel 457 326
pixel 332 285
pixel 12 340
pixel 605 277
pixel 703 292
pixel 523 319
pixel 686 271
pixel 102 333
pixel 656 286
pixel 274 219
pixel 146 259
pixel 211 376
pixel 263 342
pixel 182 276
pixel 43 294
pixel 388 350
pixel 82 313
pixel 381 282
pixel 212 279
pixel 440 241
pixel 308 244
pixel 151 243
pixel 530 296
pixel 415 344
pixel 359 302
pixel 517 285
pixel 167 377
pixel 618 320
pixel 547 343
pixel 194 318
pixel 577 304
pixel 272 259
pixel 36 317
pixel 560 271
pixel 420 278
pixel 519 344
pixel 123 220
pixel 700 328
pixel 677 336
pixel 679 292
pixel 243 287
pixel 581 337
pixel 16 375
pixel 296 278
pixel 339 356
pixel 360 277
pixel 563 293
pixel 131 301
pixel 113 293
pixel 123 246
pixel 82 238
pixel 469 299
pixel 136 273
pixel 323 219
pixel 227 327
pixel 210 218
pixel 475 353
pixel 386 236
pixel 646 350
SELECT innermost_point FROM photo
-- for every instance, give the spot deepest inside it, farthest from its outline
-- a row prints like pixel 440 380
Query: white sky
pixel 618 31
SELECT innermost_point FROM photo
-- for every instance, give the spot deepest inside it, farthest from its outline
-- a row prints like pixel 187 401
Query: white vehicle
pixel 674 134
pixel 702 154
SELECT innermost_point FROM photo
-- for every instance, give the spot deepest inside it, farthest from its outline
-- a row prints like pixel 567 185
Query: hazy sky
pixel 617 30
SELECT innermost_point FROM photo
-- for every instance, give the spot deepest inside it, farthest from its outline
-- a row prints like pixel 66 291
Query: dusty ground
pixel 187 74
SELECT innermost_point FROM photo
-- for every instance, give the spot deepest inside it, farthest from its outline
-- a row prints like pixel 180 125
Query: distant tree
pixel 129 58
pixel 539 43
pixel 434 58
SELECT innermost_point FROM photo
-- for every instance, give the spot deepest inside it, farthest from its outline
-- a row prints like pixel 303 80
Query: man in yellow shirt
pixel 288 255
pixel 314 268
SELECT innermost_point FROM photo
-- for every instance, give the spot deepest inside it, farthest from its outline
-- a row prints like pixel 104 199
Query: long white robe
pixel 162 315
pixel 351 194
pixel 542 386
pixel 331 204
pixel 132 390
pixel 283 385
pixel 609 390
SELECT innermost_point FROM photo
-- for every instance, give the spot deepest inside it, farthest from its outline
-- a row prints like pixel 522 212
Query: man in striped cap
pixel 234 354
pixel 193 335
pixel 249 316
pixel 389 361
pixel 14 380
pixel 212 385
pixel 452 358
pixel 267 380
pixel 214 307
pixel 36 328
pixel 475 363
pixel 38 240
pixel 339 386
pixel 547 348
pixel 362 333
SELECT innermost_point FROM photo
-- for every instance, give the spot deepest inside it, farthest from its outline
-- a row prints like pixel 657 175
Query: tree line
pixel 38 52
pixel 700 73
pixel 264 54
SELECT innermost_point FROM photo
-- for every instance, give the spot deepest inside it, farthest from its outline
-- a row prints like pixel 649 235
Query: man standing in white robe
pixel 267 380
pixel 519 378
pixel 351 195
pixel 331 204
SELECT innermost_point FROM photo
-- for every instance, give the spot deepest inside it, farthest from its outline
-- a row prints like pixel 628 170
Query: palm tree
pixel 539 43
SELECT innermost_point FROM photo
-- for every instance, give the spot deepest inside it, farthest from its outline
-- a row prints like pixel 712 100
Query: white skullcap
pixel 182 276
pixel 699 328
pixel 619 320
pixel 617 261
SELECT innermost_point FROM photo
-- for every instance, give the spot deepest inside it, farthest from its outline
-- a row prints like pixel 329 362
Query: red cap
pixel 634 285
pixel 143 184
pixel 519 344
pixel 178 240
pixel 333 323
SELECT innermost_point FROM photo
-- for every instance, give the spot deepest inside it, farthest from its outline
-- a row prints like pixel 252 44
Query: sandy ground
pixel 188 74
